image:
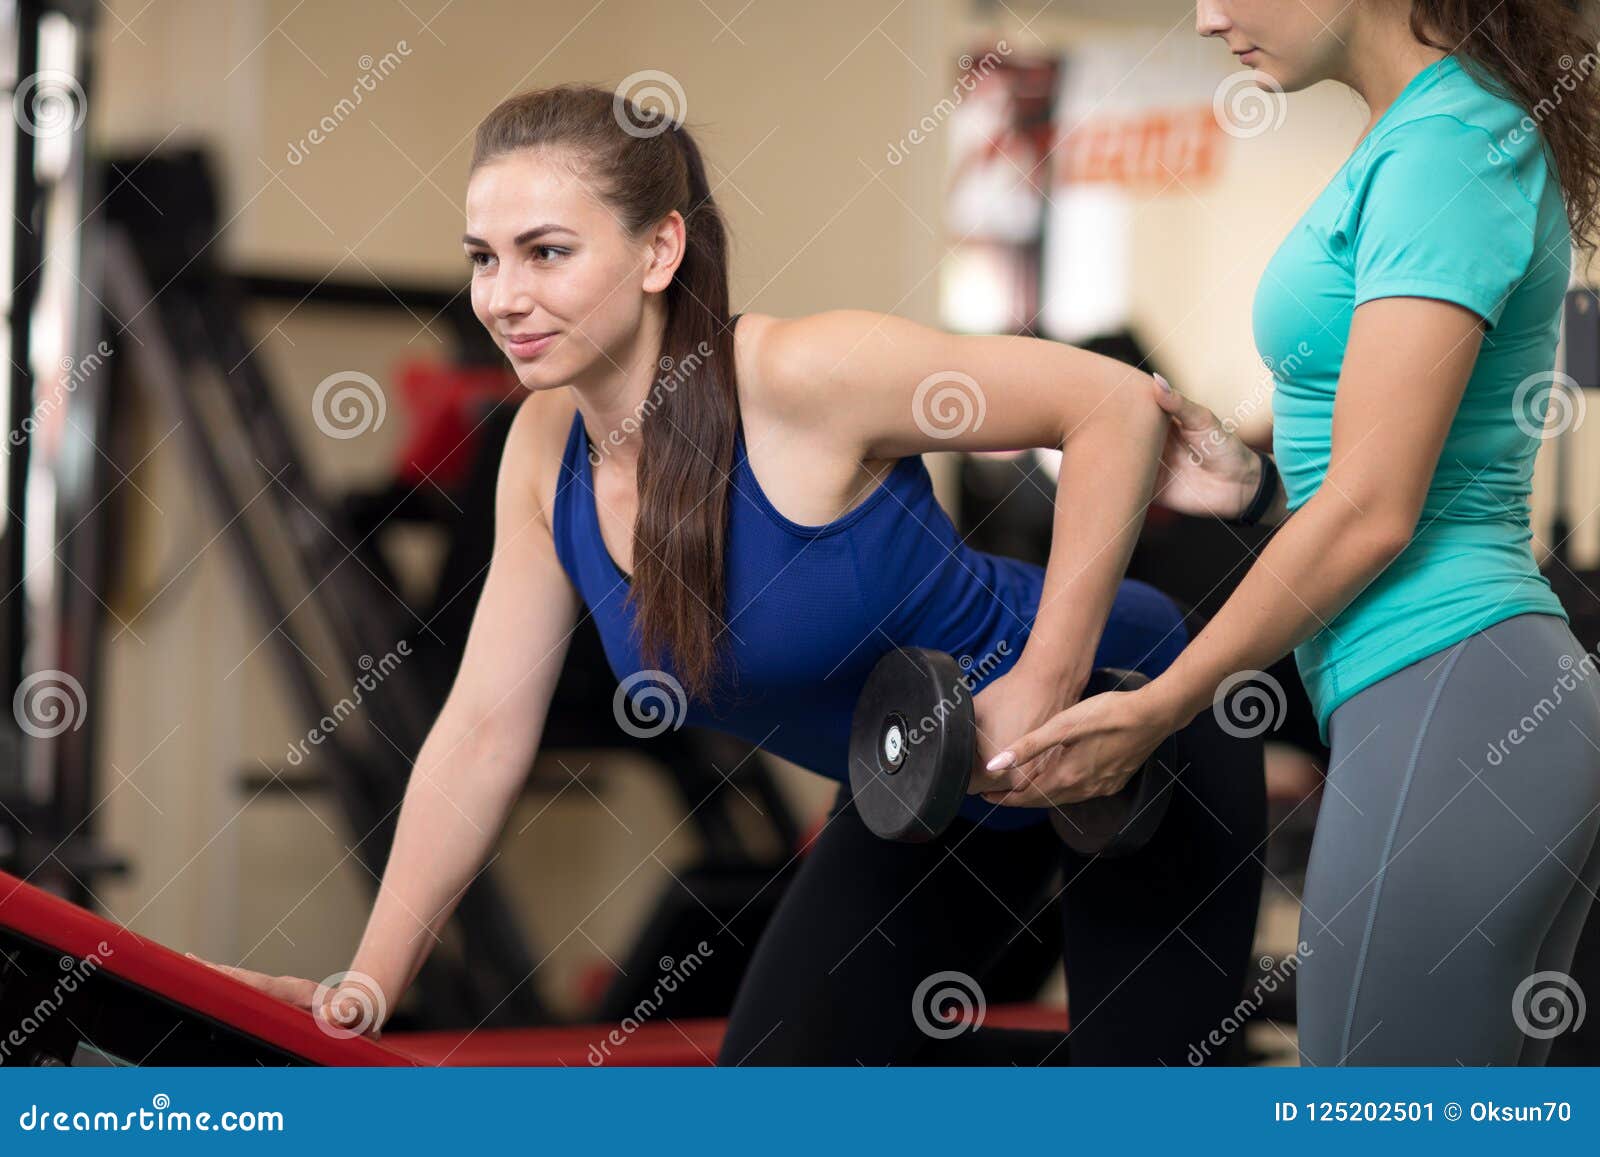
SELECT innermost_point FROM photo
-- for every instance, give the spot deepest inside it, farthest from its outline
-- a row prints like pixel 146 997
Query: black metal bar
pixel 369 620
pixel 450 304
pixel 384 295
pixel 26 250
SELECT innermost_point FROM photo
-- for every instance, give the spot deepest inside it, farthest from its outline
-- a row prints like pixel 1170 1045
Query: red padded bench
pixel 134 1001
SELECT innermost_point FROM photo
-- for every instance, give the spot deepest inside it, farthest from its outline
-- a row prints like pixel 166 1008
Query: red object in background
pixel 444 404
pixel 593 980
pixel 811 835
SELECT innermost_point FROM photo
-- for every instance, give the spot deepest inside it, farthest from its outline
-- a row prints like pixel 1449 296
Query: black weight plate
pixel 912 743
pixel 1117 825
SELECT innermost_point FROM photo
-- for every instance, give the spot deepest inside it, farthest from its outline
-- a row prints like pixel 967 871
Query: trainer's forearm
pixel 1321 559
pixel 459 794
pixel 1108 469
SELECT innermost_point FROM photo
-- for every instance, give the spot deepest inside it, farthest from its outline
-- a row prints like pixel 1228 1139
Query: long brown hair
pixel 1542 55
pixel 644 168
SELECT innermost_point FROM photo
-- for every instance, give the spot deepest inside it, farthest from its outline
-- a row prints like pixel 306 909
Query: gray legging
pixel 1456 855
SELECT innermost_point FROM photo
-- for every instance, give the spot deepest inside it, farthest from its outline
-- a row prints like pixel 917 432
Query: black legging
pixel 1158 944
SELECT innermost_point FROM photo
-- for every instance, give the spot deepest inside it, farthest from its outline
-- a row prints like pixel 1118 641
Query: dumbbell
pixel 913 742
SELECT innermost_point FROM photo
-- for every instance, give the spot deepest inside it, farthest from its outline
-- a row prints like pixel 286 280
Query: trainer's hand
pixel 1014 704
pixel 1205 467
pixel 349 1006
pixel 1090 749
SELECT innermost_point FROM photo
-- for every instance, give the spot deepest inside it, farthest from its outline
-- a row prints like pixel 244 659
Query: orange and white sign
pixel 1132 120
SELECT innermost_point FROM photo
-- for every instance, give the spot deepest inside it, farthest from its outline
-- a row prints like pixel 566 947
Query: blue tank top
pixel 810 609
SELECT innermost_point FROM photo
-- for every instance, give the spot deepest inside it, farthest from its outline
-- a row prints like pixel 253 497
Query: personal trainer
pixel 1411 319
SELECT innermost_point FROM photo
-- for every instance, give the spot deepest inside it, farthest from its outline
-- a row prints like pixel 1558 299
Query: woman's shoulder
pixel 769 367
pixel 1460 128
pixel 799 444
pixel 782 363
pixel 754 374
pixel 536 445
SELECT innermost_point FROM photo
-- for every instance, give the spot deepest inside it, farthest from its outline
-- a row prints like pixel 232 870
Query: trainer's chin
pixel 1273 74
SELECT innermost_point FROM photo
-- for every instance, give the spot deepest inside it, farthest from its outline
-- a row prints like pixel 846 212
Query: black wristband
pixel 1266 493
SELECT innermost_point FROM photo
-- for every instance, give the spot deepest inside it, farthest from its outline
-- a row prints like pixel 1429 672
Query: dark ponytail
pixel 687 455
pixel 679 586
pixel 1541 54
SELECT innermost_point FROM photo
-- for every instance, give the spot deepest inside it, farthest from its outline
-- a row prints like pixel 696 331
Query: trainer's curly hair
pixel 1543 55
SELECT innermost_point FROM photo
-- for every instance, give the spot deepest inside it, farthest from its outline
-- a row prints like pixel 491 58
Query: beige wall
pixel 795 104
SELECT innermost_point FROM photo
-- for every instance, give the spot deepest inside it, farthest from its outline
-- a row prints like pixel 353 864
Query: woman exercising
pixel 1411 317
pixel 741 506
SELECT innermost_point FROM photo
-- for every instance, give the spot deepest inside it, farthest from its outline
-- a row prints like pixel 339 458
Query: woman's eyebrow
pixel 522 238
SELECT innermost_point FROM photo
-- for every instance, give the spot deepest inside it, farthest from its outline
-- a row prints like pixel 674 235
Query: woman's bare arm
pixel 875 381
pixel 478 753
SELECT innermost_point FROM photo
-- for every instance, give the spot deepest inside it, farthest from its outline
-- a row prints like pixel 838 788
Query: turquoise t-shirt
pixel 1450 196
